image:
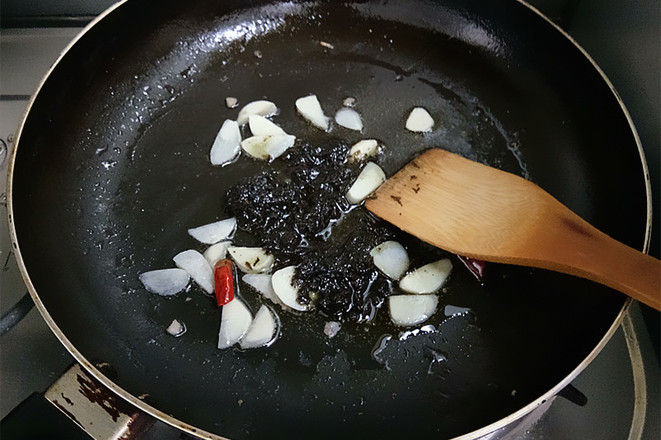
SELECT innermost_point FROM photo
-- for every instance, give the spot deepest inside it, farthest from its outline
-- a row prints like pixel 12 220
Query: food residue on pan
pixel 319 249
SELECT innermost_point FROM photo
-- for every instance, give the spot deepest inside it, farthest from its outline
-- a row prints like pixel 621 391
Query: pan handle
pixel 36 417
pixel 75 407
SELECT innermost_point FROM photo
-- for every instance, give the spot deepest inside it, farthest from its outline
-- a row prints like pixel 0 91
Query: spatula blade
pixel 448 201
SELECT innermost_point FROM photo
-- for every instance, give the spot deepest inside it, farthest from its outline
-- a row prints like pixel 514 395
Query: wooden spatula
pixel 480 212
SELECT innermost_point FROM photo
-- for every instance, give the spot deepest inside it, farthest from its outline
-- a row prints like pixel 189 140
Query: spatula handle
pixel 578 248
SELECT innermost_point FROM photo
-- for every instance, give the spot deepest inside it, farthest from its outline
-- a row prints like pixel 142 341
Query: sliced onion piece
pixel 197 267
pixel 369 179
pixel 262 108
pixel 349 118
pixel 391 258
pixel 268 147
pixel 262 331
pixel 251 259
pixel 227 145
pixel 409 310
pixel 235 319
pixel 260 126
pixel 165 282
pixel 261 282
pixel 284 288
pixel 310 109
pixel 428 278
pixel 216 252
pixel 419 120
pixel 212 233
pixel 363 149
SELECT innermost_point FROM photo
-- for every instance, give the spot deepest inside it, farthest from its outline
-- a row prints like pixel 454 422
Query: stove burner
pixel 14 315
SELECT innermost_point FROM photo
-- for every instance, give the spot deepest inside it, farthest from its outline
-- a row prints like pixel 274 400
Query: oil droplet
pixel 108 164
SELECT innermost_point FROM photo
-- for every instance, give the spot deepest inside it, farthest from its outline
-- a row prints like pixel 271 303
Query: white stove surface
pixel 623 397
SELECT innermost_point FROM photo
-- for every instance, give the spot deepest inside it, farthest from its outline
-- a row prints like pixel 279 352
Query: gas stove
pixel 616 397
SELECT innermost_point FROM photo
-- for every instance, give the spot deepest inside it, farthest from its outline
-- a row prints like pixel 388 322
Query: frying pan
pixel 111 167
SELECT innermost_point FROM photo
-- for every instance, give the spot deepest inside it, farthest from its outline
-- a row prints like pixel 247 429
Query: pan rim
pixel 185 427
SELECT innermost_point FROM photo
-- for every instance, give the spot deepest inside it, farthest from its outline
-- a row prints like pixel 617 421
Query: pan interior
pixel 113 168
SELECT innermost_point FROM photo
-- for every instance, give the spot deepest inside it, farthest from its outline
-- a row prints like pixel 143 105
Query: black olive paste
pixel 292 211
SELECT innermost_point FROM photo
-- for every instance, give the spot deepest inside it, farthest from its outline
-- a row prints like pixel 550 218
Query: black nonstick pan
pixel 111 168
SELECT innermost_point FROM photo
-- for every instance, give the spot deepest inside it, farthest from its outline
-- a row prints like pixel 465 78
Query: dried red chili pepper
pixel 223 275
pixel 476 267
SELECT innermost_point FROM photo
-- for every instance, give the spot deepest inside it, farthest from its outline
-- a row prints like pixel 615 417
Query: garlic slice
pixel 227 145
pixel 262 331
pixel 310 109
pixel 176 328
pixel 284 288
pixel 419 120
pixel 216 252
pixel 260 126
pixel 363 149
pixel 212 233
pixel 369 179
pixel 235 319
pixel 261 282
pixel 391 258
pixel 251 259
pixel 409 310
pixel 428 278
pixel 197 267
pixel 165 282
pixel 349 118
pixel 268 147
pixel 261 107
